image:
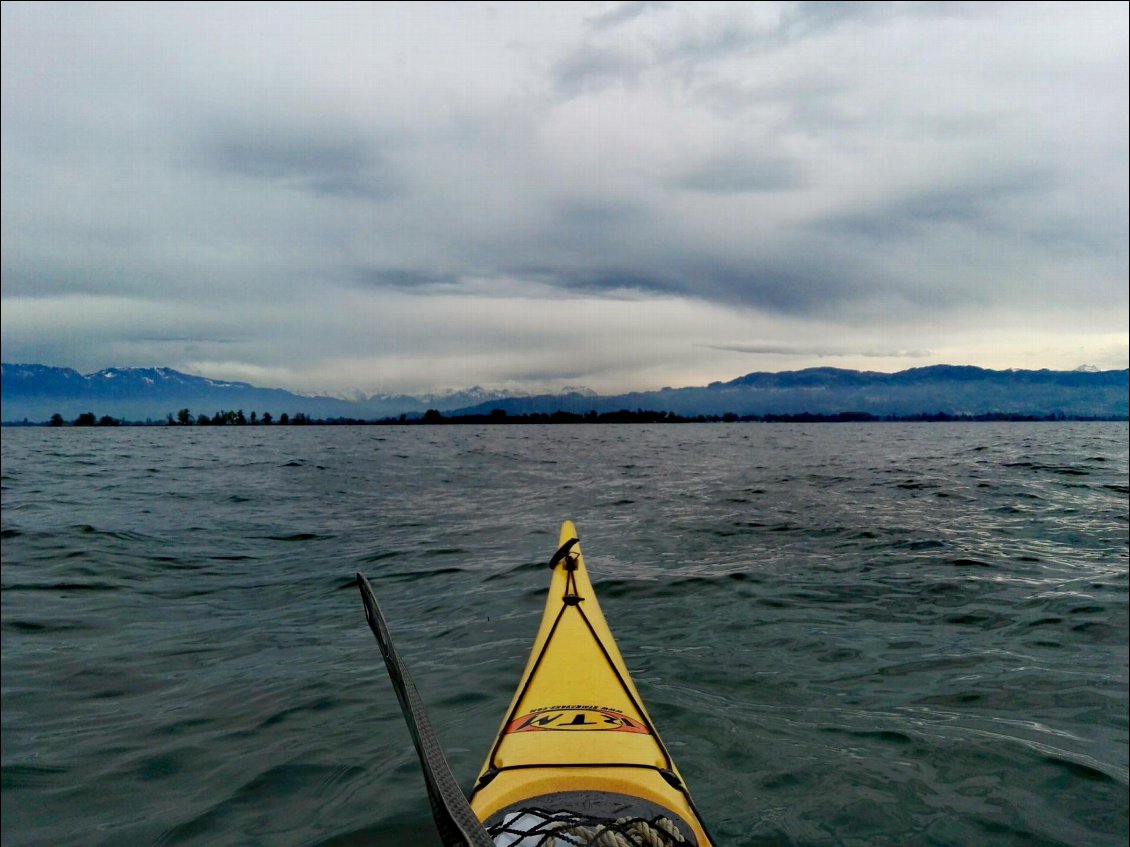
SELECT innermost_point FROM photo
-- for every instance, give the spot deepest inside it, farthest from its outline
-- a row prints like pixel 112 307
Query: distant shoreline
pixel 501 418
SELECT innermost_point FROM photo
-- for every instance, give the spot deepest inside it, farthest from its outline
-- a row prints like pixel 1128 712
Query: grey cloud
pixel 739 174
pixel 595 66
pixel 725 34
pixel 205 336
pixel 597 279
pixel 24 276
pixel 598 213
pixel 980 208
pixel 780 349
pixel 819 283
pixel 720 34
pixel 409 279
pixel 592 68
pixel 624 13
pixel 601 227
pixel 907 216
pixel 96 263
pixel 814 18
pixel 315 162
pixel 725 38
pixel 611 248
pixel 550 375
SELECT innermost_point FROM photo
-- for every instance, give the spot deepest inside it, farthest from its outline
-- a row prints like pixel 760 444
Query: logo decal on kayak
pixel 574 719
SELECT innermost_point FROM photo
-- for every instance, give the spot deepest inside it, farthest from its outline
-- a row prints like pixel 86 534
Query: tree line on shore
pixel 433 417
pixel 228 418
pixel 185 418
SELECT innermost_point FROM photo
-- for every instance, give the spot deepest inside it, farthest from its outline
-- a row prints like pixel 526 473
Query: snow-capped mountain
pixel 455 398
pixel 36 392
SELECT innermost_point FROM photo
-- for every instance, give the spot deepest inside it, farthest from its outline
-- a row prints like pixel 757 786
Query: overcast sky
pixel 418 196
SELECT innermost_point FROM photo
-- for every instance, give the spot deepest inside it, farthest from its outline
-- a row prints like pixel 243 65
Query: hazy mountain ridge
pixel 35 392
pixel 947 389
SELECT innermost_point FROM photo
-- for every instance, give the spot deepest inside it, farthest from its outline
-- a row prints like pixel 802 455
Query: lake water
pixel 883 634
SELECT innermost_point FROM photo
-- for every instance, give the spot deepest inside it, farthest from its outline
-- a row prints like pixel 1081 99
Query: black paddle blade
pixel 457 824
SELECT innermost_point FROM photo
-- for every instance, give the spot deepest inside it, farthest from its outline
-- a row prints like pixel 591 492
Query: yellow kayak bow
pixel 577 742
pixel 577 759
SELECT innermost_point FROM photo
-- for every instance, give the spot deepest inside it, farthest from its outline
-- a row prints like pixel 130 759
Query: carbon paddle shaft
pixel 457 824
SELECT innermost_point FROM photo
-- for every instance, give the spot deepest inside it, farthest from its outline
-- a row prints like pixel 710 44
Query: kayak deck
pixel 577 738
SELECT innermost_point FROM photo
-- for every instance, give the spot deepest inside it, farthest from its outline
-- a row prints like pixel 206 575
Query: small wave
pixel 750 527
pixel 1100 631
pixel 29 776
pixel 1064 470
pixel 981 620
pixel 382 555
pixel 465 699
pixel 1088 610
pixel 517 569
pixel 637 588
pixel 889 736
pixel 922 544
pixel 773 603
pixel 416 576
pixel 913 485
pixel 320 704
pixel 298 536
pixel 1044 622
pixel 1080 771
pixel 446 551
pixel 43 627
pixel 62 586
pixel 721 580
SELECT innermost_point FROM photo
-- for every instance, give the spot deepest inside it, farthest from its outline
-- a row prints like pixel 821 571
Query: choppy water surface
pixel 876 634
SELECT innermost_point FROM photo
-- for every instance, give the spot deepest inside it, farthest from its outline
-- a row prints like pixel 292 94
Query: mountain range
pixel 32 392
